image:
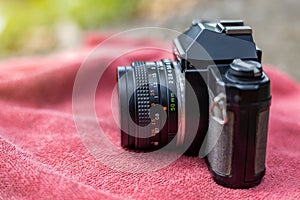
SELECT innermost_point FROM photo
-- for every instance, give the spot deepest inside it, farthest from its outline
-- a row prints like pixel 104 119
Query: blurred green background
pixel 30 27
pixel 35 26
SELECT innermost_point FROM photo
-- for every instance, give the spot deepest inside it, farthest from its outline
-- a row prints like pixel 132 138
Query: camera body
pixel 228 123
pixel 237 159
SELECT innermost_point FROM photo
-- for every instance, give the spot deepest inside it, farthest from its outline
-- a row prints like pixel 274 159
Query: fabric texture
pixel 42 155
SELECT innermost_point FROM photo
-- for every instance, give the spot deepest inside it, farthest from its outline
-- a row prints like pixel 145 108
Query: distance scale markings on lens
pixel 154 113
pixel 163 100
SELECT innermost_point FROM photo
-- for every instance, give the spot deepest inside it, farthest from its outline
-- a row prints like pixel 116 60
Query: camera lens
pixel 149 106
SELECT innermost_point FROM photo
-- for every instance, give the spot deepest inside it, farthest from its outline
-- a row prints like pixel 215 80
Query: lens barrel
pixel 148 104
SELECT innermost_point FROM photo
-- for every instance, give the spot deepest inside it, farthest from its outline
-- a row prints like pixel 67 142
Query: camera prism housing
pixel 214 99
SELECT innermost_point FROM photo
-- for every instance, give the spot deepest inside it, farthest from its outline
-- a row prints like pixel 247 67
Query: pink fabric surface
pixel 43 157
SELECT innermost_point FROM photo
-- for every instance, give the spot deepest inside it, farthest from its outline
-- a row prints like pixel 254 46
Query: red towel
pixel 43 156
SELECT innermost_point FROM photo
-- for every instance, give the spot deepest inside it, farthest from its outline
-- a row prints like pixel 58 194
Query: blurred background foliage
pixel 29 27
pixel 37 26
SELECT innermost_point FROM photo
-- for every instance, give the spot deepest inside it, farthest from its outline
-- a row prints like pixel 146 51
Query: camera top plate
pixel 217 42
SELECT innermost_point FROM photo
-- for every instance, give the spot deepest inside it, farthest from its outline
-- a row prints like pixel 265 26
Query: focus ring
pixel 142 93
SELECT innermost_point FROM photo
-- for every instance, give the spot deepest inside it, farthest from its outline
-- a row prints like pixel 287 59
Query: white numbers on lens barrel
pixel 156 116
pixel 170 74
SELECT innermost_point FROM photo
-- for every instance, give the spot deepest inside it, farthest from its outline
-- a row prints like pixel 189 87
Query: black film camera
pixel 213 100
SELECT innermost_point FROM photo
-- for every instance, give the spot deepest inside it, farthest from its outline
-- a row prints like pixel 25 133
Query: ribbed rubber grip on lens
pixel 142 93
